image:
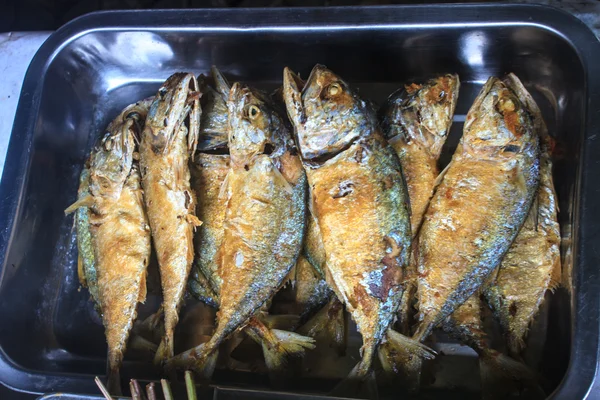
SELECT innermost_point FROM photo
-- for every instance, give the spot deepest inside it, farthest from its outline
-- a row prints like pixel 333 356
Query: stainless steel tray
pixel 50 337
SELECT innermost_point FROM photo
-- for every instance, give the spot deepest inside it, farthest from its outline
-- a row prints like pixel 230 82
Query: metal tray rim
pixel 585 326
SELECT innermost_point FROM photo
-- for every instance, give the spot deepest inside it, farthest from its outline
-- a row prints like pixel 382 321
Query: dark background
pixel 29 15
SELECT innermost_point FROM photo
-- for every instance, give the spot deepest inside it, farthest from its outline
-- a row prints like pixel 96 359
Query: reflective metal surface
pixel 50 337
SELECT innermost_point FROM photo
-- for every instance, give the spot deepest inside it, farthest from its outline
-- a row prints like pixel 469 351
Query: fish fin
pixel 113 382
pixel 164 352
pixel 282 321
pixel 285 344
pixel 401 354
pixel 440 177
pixel 292 95
pixel 221 85
pixel 143 288
pixel 85 201
pixel 329 321
pixel 80 271
pixel 500 373
pixel 201 359
pixel 138 343
pixel 193 220
pixel 279 176
pixel 556 275
pixel 195 115
pixel 354 387
pixel 224 186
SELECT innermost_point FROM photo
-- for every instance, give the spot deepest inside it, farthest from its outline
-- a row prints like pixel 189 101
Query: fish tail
pixel 402 355
pixel 165 350
pixel 202 359
pixel 141 344
pixel 500 373
pixel 277 344
pixel 330 321
pixel 114 382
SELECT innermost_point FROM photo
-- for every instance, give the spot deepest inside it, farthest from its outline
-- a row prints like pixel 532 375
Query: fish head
pixel 327 115
pixel 498 123
pixel 254 126
pixel 112 157
pixel 422 112
pixel 176 98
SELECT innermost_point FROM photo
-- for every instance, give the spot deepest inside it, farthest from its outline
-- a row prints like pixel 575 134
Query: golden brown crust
pixel 121 238
pixel 170 205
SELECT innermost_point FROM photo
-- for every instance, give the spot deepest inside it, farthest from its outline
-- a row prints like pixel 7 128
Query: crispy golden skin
pixel 532 264
pixel 208 174
pixel 113 233
pixel 170 202
pixel 360 202
pixel 265 193
pixel 122 241
pixel 479 205
pixel 416 120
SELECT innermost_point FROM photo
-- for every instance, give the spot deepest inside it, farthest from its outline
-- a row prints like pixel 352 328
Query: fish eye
pixel 253 112
pixel 108 143
pixel 334 89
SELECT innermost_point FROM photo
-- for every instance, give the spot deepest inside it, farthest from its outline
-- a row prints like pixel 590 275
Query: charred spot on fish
pixel 344 189
pixel 246 167
pixel 436 295
pixel 511 148
pixel 188 199
pixel 162 92
pixel 359 156
pixel 512 310
pixel 269 149
pixel 418 115
pixel 391 276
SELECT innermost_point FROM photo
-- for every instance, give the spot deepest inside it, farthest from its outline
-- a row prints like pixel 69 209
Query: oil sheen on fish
pixel 416 120
pixel 360 202
pixel 532 265
pixel 265 193
pixel 113 233
pixel 479 205
pixel 165 148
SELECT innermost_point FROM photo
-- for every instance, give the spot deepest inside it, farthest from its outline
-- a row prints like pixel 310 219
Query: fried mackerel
pixel 113 236
pixel 265 193
pixel 209 172
pixel 480 204
pixel 416 120
pixel 360 202
pixel 532 265
pixel 165 148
